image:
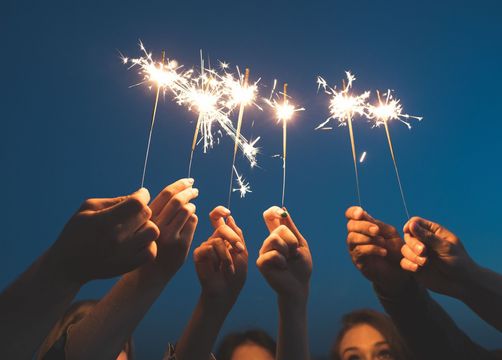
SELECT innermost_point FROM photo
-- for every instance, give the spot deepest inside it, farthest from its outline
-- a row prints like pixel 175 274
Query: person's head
pixel 368 335
pixel 248 345
pixel 76 312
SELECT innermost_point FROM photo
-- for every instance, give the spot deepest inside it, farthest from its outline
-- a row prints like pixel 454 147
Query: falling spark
pixel 363 156
pixel 244 186
pixel 381 114
pixel 343 107
pixel 284 111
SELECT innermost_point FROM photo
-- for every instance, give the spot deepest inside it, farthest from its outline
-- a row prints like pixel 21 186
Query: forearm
pixel 102 333
pixel 31 306
pixel 292 342
pixel 427 329
pixel 200 334
pixel 483 294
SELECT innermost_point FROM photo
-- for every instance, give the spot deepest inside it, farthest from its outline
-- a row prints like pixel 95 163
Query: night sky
pixel 72 128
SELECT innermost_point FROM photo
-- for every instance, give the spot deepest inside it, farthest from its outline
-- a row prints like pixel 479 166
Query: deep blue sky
pixel 72 129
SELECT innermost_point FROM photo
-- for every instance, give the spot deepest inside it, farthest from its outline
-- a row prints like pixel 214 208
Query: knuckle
pixel 177 202
pixel 167 193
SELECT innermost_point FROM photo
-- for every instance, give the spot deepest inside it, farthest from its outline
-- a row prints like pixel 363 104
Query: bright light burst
pixel 283 109
pixel 244 186
pixel 389 109
pixel 343 104
pixel 211 95
pixel 236 92
pixel 166 75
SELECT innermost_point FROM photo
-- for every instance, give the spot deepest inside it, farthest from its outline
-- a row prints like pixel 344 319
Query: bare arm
pixel 37 298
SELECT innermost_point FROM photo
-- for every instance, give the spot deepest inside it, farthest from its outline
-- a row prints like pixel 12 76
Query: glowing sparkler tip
pixel 244 186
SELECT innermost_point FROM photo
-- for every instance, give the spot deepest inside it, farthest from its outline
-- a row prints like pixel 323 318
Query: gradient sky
pixel 72 129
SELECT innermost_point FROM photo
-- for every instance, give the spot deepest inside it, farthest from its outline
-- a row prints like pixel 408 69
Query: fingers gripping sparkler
pixel 387 110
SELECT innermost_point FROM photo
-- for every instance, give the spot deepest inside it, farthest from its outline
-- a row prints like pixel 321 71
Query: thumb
pixel 272 217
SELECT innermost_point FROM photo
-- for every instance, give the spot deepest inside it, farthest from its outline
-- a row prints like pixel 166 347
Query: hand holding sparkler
pixel 175 216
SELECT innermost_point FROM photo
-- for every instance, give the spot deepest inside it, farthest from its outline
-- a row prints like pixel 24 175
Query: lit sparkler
pixel 343 107
pixel 284 111
pixel 381 114
pixel 239 94
pixel 163 75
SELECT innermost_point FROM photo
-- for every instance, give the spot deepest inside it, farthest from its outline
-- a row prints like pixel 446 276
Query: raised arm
pixel 99 241
pixel 430 333
pixel 221 264
pixel 440 262
pixel 102 333
pixel 286 264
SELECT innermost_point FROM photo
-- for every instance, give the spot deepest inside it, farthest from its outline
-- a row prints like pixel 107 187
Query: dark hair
pixel 380 322
pixel 76 312
pixel 233 340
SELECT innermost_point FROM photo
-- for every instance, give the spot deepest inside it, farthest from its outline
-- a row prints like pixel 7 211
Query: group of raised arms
pixel 146 243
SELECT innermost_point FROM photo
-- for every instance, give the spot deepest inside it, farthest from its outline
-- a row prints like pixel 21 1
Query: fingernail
pixel 195 191
pixel 421 260
pixel 419 248
pixel 232 268
pixel 239 246
pixel 383 252
pixel 190 181
pixel 279 212
pixel 374 229
pixel 284 214
pixel 358 212
pixel 226 211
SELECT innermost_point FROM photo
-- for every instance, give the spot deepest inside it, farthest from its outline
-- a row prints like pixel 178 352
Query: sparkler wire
pixel 238 133
pixel 284 143
pixel 154 113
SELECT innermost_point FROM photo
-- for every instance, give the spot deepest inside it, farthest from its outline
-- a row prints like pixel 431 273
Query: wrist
pixel 217 302
pixel 471 277
pixel 394 288
pixel 59 270
pixel 293 301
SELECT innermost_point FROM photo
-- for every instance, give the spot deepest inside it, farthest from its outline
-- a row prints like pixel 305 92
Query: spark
pixel 343 104
pixel 363 156
pixel 167 75
pixel 389 109
pixel 244 186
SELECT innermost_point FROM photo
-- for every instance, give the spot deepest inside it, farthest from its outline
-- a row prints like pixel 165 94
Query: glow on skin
pixel 364 342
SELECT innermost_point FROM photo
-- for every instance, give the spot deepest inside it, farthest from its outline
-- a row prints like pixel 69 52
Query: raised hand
pixel 375 249
pixel 436 256
pixel 175 217
pixel 107 237
pixel 285 259
pixel 221 261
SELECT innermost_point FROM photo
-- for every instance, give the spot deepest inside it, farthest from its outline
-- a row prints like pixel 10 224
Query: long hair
pixel 76 312
pixel 233 340
pixel 381 322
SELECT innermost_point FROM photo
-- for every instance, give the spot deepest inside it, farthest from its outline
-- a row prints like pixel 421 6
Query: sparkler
pixel 391 109
pixel 163 76
pixel 343 107
pixel 284 111
pixel 240 94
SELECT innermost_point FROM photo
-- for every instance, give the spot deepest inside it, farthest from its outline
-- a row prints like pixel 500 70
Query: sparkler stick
pixel 154 112
pixel 353 146
pixel 343 106
pixel 284 143
pixel 384 112
pixel 197 126
pixel 238 133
